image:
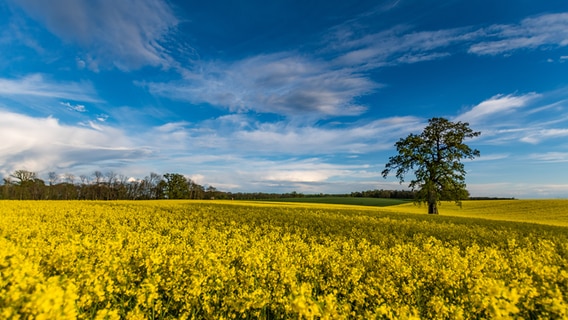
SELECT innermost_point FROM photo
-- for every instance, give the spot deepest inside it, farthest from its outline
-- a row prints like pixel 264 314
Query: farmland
pixel 376 202
pixel 552 212
pixel 234 260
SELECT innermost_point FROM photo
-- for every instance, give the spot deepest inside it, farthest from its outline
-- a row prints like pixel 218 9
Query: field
pixel 247 260
pixel 552 212
pixel 375 202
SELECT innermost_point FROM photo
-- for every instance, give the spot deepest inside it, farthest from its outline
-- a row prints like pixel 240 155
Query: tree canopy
pixel 435 158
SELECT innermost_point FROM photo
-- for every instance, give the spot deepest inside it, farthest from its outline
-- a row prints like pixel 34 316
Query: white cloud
pixel 530 118
pixel 356 138
pixel 496 105
pixel 240 154
pixel 394 46
pixel 76 107
pixel 245 136
pixel 37 85
pixel 297 176
pixel 401 44
pixel 490 157
pixel 127 33
pixel 550 157
pixel 284 83
pixel 530 33
pixel 536 136
pixel 39 144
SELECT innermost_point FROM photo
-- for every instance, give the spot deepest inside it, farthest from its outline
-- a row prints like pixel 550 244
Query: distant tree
pixel 111 177
pixel 196 191
pixel 52 177
pixel 7 189
pixel 69 178
pixel 435 157
pixel 176 186
pixel 28 186
pixel 24 175
pixel 211 192
pixel 152 186
pixel 84 179
pixel 98 176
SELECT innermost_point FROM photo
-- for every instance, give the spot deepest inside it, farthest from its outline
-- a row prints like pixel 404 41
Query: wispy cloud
pixel 550 156
pixel 496 105
pixel 74 107
pixel 403 45
pixel 242 135
pixel 530 118
pixel 530 33
pixel 37 85
pixel 398 45
pixel 129 33
pixel 355 138
pixel 490 157
pixel 538 135
pixel 284 83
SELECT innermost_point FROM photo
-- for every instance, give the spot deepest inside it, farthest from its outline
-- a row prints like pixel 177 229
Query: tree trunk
pixel 432 207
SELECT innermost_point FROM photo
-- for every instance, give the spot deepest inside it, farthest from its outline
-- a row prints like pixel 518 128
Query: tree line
pixel 26 185
pixel 392 194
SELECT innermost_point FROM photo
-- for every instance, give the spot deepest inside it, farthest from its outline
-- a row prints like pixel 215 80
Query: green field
pixel 373 202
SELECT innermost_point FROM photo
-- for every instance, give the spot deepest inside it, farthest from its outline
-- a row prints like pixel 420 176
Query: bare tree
pixel 69 178
pixel 98 176
pixel 24 175
pixel 84 179
pixel 52 176
pixel 111 177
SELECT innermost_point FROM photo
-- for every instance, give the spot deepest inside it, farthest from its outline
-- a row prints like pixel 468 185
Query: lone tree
pixel 435 156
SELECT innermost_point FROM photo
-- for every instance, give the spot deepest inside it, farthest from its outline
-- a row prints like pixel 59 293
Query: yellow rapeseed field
pixel 238 260
pixel 553 212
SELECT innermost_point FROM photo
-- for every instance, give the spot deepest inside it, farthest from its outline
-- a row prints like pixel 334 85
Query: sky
pixel 282 96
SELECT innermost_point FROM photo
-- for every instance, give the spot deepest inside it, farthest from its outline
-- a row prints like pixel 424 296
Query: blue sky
pixel 281 96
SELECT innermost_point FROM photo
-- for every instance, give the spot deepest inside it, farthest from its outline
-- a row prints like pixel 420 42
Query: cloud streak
pixel 128 33
pixel 538 135
pixel 37 85
pixel 242 135
pixel 283 83
pixel 498 105
pixel 530 118
pixel 402 45
pixel 76 107
pixel 550 157
pixel 549 30
pixel 398 45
